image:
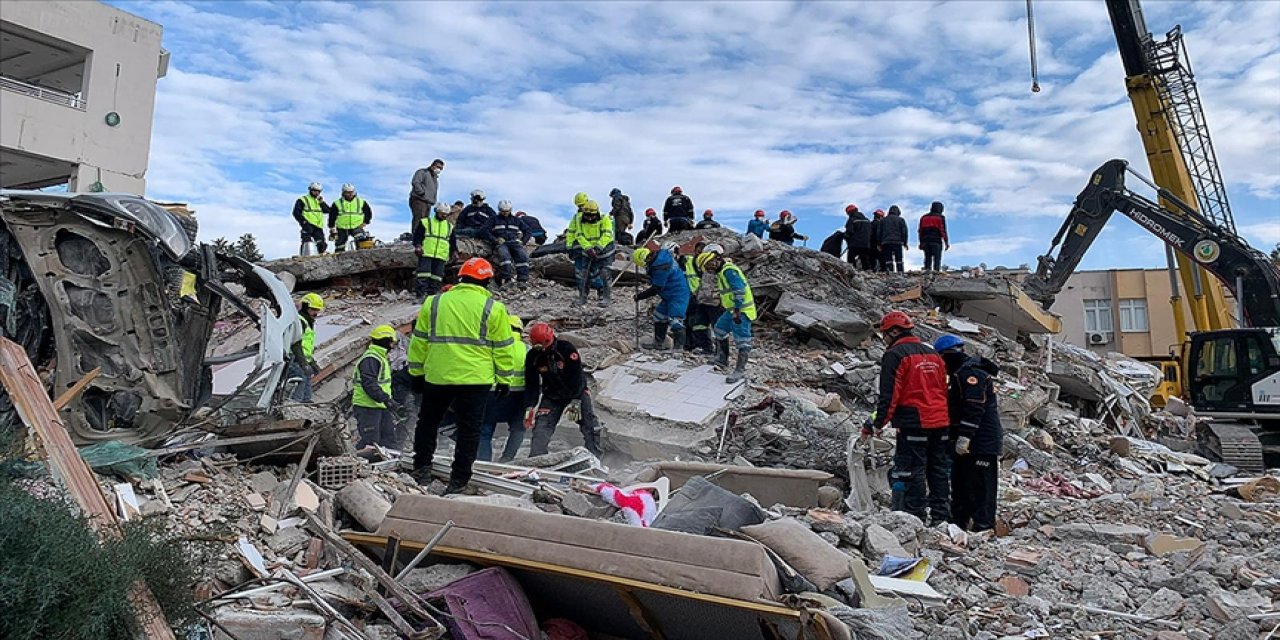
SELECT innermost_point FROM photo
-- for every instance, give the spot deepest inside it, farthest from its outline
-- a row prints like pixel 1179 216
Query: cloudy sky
pixel 804 106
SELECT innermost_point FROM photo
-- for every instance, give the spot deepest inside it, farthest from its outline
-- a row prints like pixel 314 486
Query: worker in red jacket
pixel 913 398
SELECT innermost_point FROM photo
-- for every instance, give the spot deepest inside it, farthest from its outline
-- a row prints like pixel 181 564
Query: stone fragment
pixel 1101 533
pixel 287 542
pixel 255 501
pixel 263 482
pixel 879 542
pixel 429 578
pixel 1165 603
pixel 1239 629
pixel 1015 586
pixel 829 497
pixel 286 624
pixel 1160 544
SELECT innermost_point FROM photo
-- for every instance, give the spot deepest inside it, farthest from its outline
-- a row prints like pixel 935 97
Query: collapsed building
pixel 770 517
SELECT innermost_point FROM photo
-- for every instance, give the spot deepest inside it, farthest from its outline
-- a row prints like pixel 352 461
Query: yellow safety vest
pixel 435 239
pixel 518 351
pixel 691 273
pixel 462 336
pixel 350 212
pixel 308 339
pixel 726 292
pixel 358 396
pixel 312 211
pixel 589 235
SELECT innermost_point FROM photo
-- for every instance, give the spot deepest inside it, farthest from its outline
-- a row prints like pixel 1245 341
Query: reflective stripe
pixel 435 239
pixel 312 212
pixel 419 334
pixel 482 341
pixel 358 396
pixel 350 213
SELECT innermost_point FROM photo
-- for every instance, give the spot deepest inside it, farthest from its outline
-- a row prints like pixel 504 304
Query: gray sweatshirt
pixel 425 186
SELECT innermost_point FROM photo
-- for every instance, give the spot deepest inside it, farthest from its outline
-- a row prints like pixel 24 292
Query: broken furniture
pixel 769 486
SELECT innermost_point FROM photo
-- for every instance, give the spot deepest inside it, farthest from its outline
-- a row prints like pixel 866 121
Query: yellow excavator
pixel 1230 374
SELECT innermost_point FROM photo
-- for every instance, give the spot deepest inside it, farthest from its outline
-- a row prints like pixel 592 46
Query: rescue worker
pixel 977 432
pixel 667 280
pixel 473 221
pixel 580 200
pixel 424 190
pixel 877 218
pixel 893 237
pixel 833 245
pixel 458 354
pixel 509 235
pixel 784 229
pixel 620 211
pixel 932 233
pixel 348 216
pixel 857 234
pixel 310 211
pixel 703 301
pixel 554 378
pixel 759 225
pixel 913 398
pixel 535 227
pixel 303 364
pixel 739 311
pixel 508 410
pixel 432 239
pixel 707 221
pixel 371 401
pixel 589 240
pixel 678 211
pixel 652 227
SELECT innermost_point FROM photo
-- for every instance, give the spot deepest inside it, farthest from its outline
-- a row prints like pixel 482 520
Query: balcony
pixel 43 93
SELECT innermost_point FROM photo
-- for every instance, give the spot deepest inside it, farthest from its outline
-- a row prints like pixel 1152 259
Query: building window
pixel 1097 315
pixel 1133 315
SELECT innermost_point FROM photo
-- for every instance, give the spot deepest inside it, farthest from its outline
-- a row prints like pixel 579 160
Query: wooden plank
pixel 74 390
pixel 284 501
pixel 223 442
pixel 34 407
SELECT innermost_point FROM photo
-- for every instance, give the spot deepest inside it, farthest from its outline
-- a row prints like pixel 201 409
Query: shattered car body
pixel 117 283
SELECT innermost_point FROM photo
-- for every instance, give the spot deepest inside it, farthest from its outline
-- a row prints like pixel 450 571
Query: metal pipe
pixel 426 551
pixel 1240 319
pixel 1031 37
pixel 1175 296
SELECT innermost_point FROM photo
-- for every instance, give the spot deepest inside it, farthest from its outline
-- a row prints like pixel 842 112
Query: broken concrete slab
pixel 664 388
pixel 287 624
pixel 842 327
pixel 322 268
pixel 878 542
pixel 769 486
pixel 1102 533
pixel 364 503
pixel 996 302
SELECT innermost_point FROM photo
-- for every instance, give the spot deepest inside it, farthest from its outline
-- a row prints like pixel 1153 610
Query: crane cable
pixel 1031 39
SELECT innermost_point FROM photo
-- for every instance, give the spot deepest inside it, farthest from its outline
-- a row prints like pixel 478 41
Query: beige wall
pixel 1151 285
pixel 121 74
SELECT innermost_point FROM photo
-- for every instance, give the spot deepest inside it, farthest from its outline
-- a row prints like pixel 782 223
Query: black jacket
pixel 857 231
pixel 893 230
pixel 971 403
pixel 678 206
pixel 476 216
pixel 621 212
pixel 555 373
pixel 535 227
pixel 297 211
pixel 652 228
pixel 706 223
pixel 832 245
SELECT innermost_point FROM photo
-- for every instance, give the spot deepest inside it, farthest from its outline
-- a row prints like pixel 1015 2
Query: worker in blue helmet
pixel 978 435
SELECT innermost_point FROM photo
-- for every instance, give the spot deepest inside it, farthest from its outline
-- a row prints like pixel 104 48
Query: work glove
pixel 528 418
pixel 591 253
pixel 333 234
pixel 393 406
pixel 502 389
pixel 868 427
pixel 962 446
pixel 418 384
pixel 417 251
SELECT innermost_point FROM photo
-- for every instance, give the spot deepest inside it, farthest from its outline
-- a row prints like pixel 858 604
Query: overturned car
pixel 117 283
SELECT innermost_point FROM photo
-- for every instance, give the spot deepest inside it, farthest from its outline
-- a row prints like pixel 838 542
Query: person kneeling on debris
pixel 509 235
pixel 371 401
pixel 978 434
pixel 553 370
pixel 303 364
pixel 739 311
pixel 913 397
pixel 589 240
pixel 508 410
pixel 668 281
pixel 431 241
pixel 458 354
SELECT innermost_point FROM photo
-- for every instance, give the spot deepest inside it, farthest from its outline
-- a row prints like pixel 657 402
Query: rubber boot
pixel 677 339
pixel 582 292
pixel 740 367
pixel 659 336
pixel 606 293
pixel 722 354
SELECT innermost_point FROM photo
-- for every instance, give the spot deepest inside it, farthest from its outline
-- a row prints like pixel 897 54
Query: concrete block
pixel 288 624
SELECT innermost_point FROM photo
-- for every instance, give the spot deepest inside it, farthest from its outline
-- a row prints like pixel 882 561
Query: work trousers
pixel 932 255
pixel 344 236
pixel 374 426
pixel 513 261
pixel 508 410
pixel 312 233
pixel 430 276
pixel 591 273
pixel 974 481
pixel 891 257
pixel 548 416
pixel 741 330
pixel 467 402
pixel 402 392
pixel 302 392
pixel 418 209
pixel 921 474
pixel 865 259
pixel 679 224
pixel 699 321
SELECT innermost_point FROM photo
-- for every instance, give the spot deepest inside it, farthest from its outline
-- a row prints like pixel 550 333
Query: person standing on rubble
pixel 833 244
pixel 707 221
pixel 348 216
pixel 371 401
pixel 857 234
pixel 933 237
pixel 784 229
pixel 913 398
pixel 535 228
pixel 424 191
pixel 474 220
pixel 703 300
pixel 620 211
pixel 759 224
pixel 667 280
pixel 978 434
pixel 877 218
pixel 310 211
pixel 739 311
pixel 510 234
pixel 652 227
pixel 510 409
pixel 554 378
pixel 432 240
pixel 589 240
pixel 678 211
pixel 893 238
pixel 460 351
pixel 303 364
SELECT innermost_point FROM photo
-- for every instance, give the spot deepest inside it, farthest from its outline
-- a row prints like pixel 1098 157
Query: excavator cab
pixel 1235 371
pixel 1170 379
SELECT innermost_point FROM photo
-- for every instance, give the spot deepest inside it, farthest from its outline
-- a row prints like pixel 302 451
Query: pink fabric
pixel 638 507
pixel 561 629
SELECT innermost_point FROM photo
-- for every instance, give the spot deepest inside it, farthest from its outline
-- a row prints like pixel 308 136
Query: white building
pixel 77 94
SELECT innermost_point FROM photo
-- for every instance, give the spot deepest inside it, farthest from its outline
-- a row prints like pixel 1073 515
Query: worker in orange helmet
pixel 554 378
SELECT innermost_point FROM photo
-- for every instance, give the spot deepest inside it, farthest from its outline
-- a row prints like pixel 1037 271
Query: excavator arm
pixel 1248 274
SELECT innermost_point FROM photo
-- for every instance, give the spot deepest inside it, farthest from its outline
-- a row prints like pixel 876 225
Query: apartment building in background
pixel 77 95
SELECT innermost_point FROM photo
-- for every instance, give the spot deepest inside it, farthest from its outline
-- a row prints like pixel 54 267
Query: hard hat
pixel 703 258
pixel 714 247
pixel 650 212
pixel 477 268
pixel 948 342
pixel 384 331
pixel 851 208
pixel 639 256
pixel 676 189
pixel 896 319
pixel 879 213
pixel 443 208
pixel 591 207
pixel 348 188
pixel 671 246
pixel 760 213
pixel 504 205
pixel 478 193
pixel 615 192
pixel 516 323
pixel 315 186
pixel 580 198
pixel 541 335
pixel 314 301
pixel 708 213
pixel 784 214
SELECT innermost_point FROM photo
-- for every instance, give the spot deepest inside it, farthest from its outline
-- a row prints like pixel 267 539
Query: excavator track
pixel 1233 443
